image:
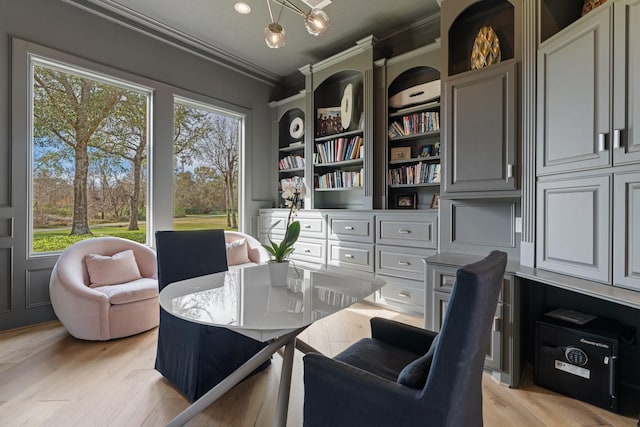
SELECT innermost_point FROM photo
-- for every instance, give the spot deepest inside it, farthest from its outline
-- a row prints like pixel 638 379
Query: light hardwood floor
pixel 48 378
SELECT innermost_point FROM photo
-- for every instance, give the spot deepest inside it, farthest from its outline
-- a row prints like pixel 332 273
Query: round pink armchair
pixel 104 312
pixel 255 252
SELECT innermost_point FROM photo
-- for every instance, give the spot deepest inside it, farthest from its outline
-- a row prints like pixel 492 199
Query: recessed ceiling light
pixel 242 8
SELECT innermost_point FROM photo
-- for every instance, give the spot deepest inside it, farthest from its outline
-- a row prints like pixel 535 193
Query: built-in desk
pixel 527 294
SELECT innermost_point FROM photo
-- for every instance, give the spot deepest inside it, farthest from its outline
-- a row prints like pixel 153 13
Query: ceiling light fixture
pixel 316 22
pixel 242 8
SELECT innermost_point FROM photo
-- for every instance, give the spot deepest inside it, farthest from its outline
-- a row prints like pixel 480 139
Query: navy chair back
pixel 192 356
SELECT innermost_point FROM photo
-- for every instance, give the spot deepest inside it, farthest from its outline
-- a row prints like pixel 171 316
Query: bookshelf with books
pixel 340 97
pixel 413 128
pixel 289 128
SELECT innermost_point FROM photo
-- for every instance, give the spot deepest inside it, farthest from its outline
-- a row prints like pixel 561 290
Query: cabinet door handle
pixel 404 295
pixel 509 170
pixel 348 256
pixel 403 263
pixel 602 142
pixel 306 251
pixel 496 324
pixel 307 226
pixel 404 231
pixel 616 138
pixel 348 227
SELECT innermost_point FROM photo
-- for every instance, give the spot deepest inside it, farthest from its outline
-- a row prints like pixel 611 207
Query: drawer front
pixel 404 294
pixel 351 229
pixel 268 221
pixel 401 262
pixel 309 250
pixel 356 256
pixel 421 234
pixel 443 278
pixel 312 227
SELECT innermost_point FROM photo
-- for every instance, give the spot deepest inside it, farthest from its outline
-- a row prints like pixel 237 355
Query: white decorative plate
pixel 296 128
pixel 346 106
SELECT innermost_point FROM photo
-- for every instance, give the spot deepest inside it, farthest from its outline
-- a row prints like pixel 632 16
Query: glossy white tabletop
pixel 242 299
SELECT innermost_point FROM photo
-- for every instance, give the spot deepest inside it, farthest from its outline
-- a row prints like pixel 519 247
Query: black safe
pixel 579 360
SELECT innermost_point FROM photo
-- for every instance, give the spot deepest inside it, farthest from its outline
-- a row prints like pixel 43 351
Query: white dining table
pixel 244 300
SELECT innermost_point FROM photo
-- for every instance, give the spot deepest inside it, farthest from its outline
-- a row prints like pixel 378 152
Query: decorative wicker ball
pixel 486 49
pixel 589 5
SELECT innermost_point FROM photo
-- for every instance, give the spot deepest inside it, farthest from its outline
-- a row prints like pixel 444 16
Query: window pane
pixel 206 154
pixel 89 158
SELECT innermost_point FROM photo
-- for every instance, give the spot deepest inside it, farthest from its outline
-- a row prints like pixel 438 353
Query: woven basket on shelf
pixel 589 5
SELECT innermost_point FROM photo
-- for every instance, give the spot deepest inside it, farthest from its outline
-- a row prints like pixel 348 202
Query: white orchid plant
pixel 293 193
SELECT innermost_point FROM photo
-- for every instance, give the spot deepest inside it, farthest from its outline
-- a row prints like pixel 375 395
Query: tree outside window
pixel 90 150
pixel 206 161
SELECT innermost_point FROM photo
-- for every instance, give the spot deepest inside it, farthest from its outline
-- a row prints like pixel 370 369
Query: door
pixel 626 231
pixel 626 83
pixel 574 97
pixel 573 227
pixel 480 131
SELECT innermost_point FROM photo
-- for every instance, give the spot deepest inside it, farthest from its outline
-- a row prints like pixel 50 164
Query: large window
pixel 206 146
pixel 90 147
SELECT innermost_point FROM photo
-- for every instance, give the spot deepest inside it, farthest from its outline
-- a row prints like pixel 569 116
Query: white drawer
pixel 404 295
pixel 312 227
pixel 354 229
pixel 352 255
pixel 270 220
pixel 421 233
pixel 402 262
pixel 309 250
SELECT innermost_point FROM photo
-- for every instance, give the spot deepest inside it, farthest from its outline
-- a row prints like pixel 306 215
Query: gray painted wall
pixel 54 24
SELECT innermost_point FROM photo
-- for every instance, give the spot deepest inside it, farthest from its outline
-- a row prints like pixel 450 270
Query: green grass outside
pixel 54 240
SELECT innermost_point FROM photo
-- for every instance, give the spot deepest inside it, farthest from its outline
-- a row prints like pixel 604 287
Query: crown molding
pixel 119 14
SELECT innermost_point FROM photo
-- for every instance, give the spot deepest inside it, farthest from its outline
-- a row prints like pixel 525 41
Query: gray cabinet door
pixel 573 227
pixel 626 82
pixel 480 130
pixel 626 229
pixel 574 97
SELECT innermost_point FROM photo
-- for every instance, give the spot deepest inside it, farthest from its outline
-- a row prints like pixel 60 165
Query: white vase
pixel 278 272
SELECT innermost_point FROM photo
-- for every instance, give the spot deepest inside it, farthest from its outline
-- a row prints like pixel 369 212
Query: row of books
pixel 420 173
pixel 426 121
pixel 339 179
pixel 339 149
pixel 291 162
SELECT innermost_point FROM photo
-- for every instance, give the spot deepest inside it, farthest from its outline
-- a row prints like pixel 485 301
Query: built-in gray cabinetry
pixel 589 91
pixel 389 245
pixel 573 227
pixel 588 149
pixel 574 96
pixel 481 131
pixel 626 230
pixel 403 240
pixel 350 241
pixel 288 132
pixel 440 279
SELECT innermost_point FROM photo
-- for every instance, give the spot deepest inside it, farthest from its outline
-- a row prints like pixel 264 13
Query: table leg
pixel 234 378
pixel 282 406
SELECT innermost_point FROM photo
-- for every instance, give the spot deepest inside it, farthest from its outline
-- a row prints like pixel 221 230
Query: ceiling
pixel 212 28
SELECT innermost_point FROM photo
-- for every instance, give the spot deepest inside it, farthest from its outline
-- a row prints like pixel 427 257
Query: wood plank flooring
pixel 48 378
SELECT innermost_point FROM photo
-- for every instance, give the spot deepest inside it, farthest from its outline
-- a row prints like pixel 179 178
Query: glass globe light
pixel 316 22
pixel 274 35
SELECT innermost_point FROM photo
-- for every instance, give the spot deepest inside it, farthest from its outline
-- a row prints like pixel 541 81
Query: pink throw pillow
pixel 237 252
pixel 112 270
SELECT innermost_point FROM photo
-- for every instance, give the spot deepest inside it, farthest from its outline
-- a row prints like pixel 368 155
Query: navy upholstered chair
pixel 406 376
pixel 192 356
